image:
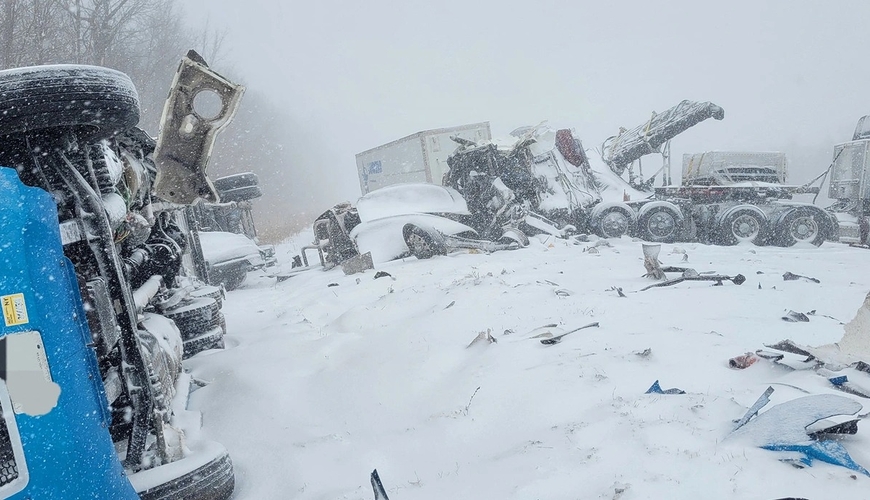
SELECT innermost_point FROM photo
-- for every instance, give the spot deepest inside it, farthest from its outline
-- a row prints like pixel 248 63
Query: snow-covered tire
pixel 212 292
pixel 214 480
pixel 97 102
pixel 659 222
pixel 231 279
pixel 240 194
pixel 612 220
pixel 422 244
pixel 236 181
pixel 742 223
pixel 806 224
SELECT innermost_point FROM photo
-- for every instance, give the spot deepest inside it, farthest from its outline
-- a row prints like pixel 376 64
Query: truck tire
pixel 235 181
pixel 742 223
pixel 802 224
pixel 97 102
pixel 233 280
pixel 240 194
pixel 659 222
pixel 422 244
pixel 212 481
pixel 612 220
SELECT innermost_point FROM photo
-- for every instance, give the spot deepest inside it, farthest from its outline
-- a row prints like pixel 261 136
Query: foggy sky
pixel 792 76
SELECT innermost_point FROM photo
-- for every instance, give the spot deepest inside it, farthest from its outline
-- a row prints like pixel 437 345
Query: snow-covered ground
pixel 326 376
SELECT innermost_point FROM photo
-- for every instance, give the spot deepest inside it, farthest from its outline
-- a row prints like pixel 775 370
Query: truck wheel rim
pixel 804 228
pixel 614 224
pixel 745 227
pixel 419 245
pixel 661 224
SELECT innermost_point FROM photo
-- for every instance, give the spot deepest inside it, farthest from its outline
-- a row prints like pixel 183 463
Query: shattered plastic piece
pixel 862 367
pixel 831 452
pixel 850 427
pixel 784 428
pixel 618 290
pixel 772 356
pixel 743 361
pixel 646 353
pixel 651 262
pixel 794 277
pixel 483 337
pixel 657 389
pixel 378 487
pixel 558 338
pixel 382 274
pixel 796 317
pixel 332 284
pixel 760 403
pixel 563 292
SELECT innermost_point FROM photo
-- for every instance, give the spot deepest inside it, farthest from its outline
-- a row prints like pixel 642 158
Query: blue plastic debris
pixel 657 389
pixel 838 381
pixel 830 452
pixel 784 428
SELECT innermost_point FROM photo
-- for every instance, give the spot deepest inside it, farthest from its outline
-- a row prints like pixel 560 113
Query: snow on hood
pixel 219 246
pixel 408 198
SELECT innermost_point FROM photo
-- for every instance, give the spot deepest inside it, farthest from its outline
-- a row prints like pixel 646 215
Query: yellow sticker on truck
pixel 14 309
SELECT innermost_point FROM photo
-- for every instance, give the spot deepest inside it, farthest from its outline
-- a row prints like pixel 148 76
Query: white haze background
pixel 791 75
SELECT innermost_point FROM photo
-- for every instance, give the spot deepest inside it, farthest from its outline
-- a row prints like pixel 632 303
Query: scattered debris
pixel 618 290
pixel 383 274
pixel 646 353
pixel 483 337
pixel 753 410
pixel 784 428
pixel 451 304
pixel 508 332
pixel 657 389
pixel 814 313
pixel 378 487
pixel 795 317
pixel 794 277
pixel 563 292
pixel 742 361
pixel 845 428
pixel 771 356
pixel 651 262
pixel 692 275
pixel 357 263
pixel 592 251
pixel 332 284
pixel 558 338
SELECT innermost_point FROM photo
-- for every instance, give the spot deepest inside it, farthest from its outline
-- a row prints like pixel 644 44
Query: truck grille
pixel 8 466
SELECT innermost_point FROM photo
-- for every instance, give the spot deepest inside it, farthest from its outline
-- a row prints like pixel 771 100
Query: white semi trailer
pixel 420 157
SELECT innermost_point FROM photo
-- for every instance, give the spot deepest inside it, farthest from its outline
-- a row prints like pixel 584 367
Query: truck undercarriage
pixel 69 131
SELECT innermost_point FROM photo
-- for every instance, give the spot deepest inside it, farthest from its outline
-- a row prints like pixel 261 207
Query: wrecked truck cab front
pixel 201 103
pixel 229 257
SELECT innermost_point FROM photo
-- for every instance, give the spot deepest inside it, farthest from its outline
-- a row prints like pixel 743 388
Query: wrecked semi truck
pixel 420 157
pixel 849 185
pixel 724 197
pixel 727 197
pixel 101 310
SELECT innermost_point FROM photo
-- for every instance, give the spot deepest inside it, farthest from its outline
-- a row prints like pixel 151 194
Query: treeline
pixel 146 39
